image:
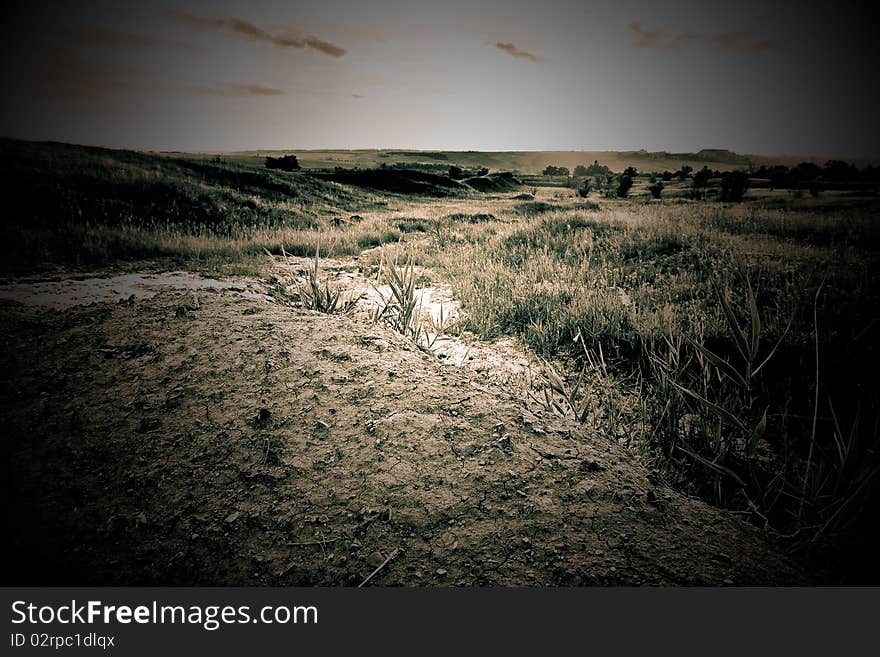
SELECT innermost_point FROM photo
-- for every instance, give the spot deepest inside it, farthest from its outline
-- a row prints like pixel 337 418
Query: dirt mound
pixel 495 182
pixel 242 441
pixel 398 181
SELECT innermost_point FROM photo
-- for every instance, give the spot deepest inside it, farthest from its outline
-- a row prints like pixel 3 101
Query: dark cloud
pixel 251 31
pixel 732 42
pixel 234 90
pixel 513 51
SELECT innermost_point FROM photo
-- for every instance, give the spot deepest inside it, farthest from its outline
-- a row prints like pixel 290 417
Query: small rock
pixel 441 572
pixel 232 517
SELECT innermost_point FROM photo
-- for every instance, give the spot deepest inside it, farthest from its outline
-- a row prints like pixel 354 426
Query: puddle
pixel 505 361
pixel 73 292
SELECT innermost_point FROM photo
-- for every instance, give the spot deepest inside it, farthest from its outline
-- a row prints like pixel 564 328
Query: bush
pixel 656 189
pixel 734 185
pixel 624 183
pixel 284 163
pixel 551 170
pixel 701 180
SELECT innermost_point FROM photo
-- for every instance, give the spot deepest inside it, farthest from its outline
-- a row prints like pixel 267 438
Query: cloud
pixel 254 33
pixel 513 51
pixel 235 90
pixel 742 42
pixel 97 36
pixel 357 96
pixel 731 42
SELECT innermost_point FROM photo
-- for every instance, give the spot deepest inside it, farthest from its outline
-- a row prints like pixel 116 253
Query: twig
pixel 321 542
pixel 380 567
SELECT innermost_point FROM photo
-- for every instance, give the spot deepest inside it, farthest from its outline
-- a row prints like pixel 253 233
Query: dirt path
pixel 224 438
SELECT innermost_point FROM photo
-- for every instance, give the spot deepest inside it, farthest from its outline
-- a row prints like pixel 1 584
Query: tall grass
pixel 712 327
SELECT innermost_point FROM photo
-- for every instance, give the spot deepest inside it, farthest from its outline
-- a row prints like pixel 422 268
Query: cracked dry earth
pixel 232 440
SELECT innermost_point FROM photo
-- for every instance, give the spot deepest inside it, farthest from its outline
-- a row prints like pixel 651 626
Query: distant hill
pixel 528 162
pixel 50 184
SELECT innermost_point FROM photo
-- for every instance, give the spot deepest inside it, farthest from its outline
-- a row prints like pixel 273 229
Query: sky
pixel 781 78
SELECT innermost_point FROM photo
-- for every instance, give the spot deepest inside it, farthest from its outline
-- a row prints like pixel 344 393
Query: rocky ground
pixel 216 435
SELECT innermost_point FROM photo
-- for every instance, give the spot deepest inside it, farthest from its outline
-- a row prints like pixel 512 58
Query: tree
pixel 656 189
pixel 581 171
pixel 624 183
pixel 701 180
pixel 551 170
pixel 702 177
pixel 667 176
pixel 596 169
pixel 838 170
pixel 284 163
pixel 585 189
pixel 734 185
pixel 455 172
pixel 684 172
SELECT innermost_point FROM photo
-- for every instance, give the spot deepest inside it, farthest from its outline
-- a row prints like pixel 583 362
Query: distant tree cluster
pixel 595 169
pixel 813 177
pixel 734 185
pixel 551 170
pixel 284 163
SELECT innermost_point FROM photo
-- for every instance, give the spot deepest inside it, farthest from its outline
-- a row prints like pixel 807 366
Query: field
pixel 362 368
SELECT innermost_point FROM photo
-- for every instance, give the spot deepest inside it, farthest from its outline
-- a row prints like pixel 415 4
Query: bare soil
pixel 216 436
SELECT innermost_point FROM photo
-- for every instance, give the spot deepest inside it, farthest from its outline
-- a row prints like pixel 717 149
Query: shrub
pixel 624 183
pixel 734 185
pixel 551 170
pixel 284 163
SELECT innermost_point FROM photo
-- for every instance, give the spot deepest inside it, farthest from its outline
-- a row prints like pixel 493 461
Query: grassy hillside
pixel 77 205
